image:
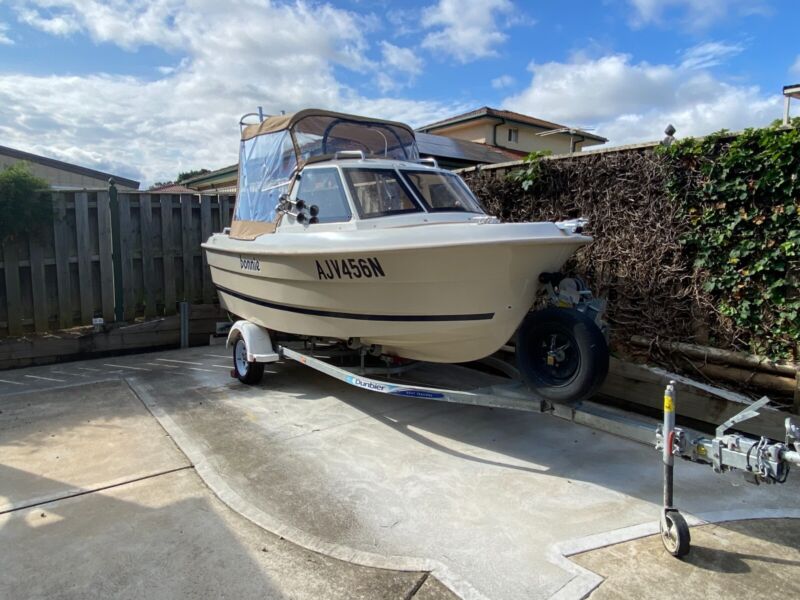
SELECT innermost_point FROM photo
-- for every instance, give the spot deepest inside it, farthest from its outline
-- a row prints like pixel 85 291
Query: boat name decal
pixel 249 264
pixel 350 268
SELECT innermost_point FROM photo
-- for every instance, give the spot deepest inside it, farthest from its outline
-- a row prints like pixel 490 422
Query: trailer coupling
pixel 761 460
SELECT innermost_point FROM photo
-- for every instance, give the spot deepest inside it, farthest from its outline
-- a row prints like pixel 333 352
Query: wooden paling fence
pixel 112 255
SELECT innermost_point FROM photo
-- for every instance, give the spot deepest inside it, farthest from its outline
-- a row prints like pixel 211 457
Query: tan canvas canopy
pixel 282 122
pixel 273 151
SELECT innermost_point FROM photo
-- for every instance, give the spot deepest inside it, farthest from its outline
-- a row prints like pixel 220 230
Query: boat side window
pixel 379 193
pixel 442 191
pixel 324 188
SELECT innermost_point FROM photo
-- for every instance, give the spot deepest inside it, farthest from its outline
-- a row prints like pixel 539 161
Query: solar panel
pixel 462 150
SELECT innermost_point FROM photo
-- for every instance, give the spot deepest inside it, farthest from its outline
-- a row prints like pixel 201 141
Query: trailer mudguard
pixel 256 339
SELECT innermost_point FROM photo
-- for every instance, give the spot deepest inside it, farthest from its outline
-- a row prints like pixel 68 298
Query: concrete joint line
pixel 585 581
pixel 195 454
pixel 56 388
pixel 76 492
pixel 413 592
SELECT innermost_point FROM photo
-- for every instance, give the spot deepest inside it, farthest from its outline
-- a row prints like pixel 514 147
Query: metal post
pixel 669 438
pixel 116 252
pixel 786 101
pixel 796 400
pixel 184 312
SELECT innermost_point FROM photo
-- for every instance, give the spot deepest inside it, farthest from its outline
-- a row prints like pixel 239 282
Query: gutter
pixel 573 143
pixel 494 132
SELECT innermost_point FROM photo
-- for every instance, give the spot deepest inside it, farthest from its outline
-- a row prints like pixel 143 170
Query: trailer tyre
pixel 561 354
pixel 675 534
pixel 247 372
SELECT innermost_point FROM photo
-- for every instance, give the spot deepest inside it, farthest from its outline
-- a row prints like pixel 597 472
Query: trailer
pixel 760 460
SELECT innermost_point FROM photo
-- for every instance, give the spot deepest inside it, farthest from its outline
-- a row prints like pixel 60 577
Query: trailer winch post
pixel 669 440
pixel 674 529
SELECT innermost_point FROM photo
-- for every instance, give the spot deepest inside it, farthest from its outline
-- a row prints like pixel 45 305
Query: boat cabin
pixel 336 171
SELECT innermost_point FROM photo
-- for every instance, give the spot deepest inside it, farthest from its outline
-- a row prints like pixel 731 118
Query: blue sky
pixel 149 88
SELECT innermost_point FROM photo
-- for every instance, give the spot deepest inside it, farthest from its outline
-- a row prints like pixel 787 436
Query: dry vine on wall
pixel 636 260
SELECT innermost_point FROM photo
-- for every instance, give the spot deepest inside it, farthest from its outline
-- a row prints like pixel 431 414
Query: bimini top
pixel 324 130
pixel 274 150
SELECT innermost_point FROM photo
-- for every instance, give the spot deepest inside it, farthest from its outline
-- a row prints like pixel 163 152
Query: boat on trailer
pixel 342 232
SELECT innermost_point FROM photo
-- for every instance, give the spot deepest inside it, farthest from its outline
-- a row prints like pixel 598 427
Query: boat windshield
pixel 442 192
pixel 323 188
pixel 379 193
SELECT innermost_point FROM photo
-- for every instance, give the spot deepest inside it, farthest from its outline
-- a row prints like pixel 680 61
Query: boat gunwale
pixel 251 248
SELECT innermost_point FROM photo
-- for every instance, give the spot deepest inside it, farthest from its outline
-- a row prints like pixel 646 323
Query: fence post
pixel 116 245
pixel 184 312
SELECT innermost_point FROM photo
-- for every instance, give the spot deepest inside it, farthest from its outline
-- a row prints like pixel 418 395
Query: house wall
pixel 483 132
pixel 474 131
pixel 528 141
pixel 58 178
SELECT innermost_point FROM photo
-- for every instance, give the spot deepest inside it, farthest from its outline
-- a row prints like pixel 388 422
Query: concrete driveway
pixel 96 501
pixel 490 501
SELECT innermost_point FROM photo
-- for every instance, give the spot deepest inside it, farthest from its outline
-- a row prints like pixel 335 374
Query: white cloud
pixel 795 68
pixel 709 54
pixel 503 81
pixel 631 102
pixel 466 30
pixel 127 23
pixel 399 67
pixel 404 21
pixel 4 39
pixel 696 14
pixel 401 59
pixel 230 58
pixel 56 24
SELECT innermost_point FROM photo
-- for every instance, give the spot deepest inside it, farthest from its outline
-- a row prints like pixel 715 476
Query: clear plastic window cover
pixel 266 164
pixel 321 135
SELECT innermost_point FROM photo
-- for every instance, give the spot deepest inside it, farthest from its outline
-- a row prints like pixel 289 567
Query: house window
pixel 513 135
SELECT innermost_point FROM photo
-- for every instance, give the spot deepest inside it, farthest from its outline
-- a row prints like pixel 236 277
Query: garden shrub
pixel 25 205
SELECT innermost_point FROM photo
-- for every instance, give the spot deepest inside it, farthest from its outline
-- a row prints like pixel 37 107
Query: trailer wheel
pixel 561 354
pixel 675 534
pixel 246 371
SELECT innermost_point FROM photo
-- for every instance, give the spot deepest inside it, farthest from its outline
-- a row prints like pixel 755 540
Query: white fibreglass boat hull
pixel 439 292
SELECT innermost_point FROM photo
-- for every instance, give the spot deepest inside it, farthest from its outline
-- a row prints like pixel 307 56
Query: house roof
pixel 792 90
pixel 69 167
pixel 172 188
pixel 514 117
pixel 222 174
